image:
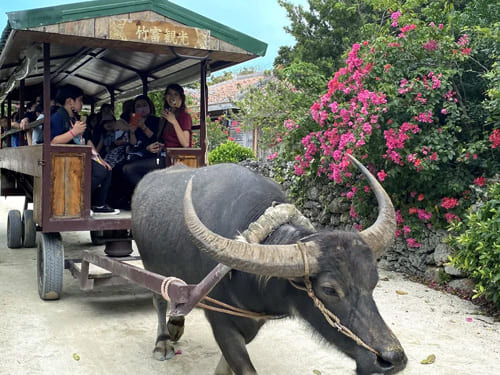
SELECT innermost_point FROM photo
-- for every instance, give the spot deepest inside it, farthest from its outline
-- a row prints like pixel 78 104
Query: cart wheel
pixel 97 237
pixel 50 262
pixel 29 239
pixel 14 229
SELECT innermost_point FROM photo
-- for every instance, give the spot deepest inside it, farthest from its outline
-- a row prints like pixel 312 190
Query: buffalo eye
pixel 329 291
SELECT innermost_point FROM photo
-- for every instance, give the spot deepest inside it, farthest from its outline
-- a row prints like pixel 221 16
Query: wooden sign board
pixel 159 32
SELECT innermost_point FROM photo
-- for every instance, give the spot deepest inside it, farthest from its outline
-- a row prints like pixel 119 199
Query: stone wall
pixel 328 210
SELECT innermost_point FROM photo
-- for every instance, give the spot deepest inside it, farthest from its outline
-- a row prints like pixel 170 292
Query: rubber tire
pixel 29 237
pixel 50 266
pixel 14 230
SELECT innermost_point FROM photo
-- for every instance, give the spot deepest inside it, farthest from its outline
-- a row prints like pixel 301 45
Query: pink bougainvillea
pixel 449 203
pixel 394 17
pixel 495 138
pixel 451 217
pixel 381 175
pixel 480 181
pixel 412 242
pixel 402 123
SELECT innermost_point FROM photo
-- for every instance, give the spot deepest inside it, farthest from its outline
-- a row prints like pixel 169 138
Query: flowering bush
pixel 477 245
pixel 230 152
pixel 217 132
pixel 270 106
pixel 398 105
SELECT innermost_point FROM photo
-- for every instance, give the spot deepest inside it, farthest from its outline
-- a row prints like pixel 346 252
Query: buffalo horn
pixel 268 260
pixel 380 235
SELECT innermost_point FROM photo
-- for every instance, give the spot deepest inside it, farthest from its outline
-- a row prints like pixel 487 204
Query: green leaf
pixel 429 360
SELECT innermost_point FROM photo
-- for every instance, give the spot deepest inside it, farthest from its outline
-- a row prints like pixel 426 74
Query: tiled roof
pixel 228 91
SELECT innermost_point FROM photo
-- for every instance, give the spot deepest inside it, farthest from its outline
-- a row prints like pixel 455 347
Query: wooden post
pixel 2 114
pixel 203 110
pixel 255 139
pixel 9 121
pixel 144 79
pixel 112 97
pixel 42 207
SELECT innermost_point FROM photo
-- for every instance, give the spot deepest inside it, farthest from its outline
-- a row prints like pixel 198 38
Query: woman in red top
pixel 173 129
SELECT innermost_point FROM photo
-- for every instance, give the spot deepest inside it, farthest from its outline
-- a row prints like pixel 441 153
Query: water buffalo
pixel 226 200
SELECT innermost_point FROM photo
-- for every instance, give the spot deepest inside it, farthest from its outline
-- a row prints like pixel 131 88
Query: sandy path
pixel 112 330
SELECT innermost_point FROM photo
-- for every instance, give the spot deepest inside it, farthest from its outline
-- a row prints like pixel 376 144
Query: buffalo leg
pixel 223 368
pixel 163 349
pixel 232 337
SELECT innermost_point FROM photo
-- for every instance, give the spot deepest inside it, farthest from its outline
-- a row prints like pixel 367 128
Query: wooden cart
pixel 114 50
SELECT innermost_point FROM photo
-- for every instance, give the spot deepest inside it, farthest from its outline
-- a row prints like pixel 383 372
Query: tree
pixel 226 76
pixel 405 104
pixel 288 93
pixel 324 31
pixel 328 28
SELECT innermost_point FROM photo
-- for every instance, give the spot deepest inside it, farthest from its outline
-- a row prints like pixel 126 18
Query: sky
pixel 261 19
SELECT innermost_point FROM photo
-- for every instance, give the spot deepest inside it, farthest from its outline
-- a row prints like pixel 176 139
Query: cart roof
pixel 114 46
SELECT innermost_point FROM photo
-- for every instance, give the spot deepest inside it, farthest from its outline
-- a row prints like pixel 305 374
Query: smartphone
pixel 134 120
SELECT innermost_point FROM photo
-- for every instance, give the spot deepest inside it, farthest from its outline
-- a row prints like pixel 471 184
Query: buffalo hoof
pixel 223 368
pixel 163 351
pixel 175 328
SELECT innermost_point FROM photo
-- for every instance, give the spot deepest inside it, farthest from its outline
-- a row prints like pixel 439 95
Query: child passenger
pixel 65 128
pixel 118 138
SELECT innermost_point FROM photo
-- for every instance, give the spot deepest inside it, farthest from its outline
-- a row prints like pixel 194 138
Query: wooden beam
pixel 24 159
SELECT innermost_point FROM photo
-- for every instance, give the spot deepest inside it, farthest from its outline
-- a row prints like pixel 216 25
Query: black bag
pixel 135 152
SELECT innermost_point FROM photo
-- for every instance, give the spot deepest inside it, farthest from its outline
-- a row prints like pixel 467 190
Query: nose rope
pixel 330 317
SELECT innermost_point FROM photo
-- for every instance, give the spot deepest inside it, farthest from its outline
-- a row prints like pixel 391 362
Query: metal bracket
pixel 183 298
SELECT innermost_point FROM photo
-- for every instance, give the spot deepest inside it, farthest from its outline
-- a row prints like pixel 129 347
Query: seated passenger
pixel 143 126
pixel 104 143
pixel 121 191
pixel 92 120
pixel 29 116
pixel 66 128
pixel 3 129
pixel 116 153
pixel 173 129
pixel 22 123
pixel 105 112
pixel 37 136
pixel 15 124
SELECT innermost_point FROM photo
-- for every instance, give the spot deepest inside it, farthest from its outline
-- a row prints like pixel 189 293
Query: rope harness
pixel 330 317
pixel 226 309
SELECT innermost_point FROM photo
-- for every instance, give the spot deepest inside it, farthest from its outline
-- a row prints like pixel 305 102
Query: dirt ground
pixel 112 330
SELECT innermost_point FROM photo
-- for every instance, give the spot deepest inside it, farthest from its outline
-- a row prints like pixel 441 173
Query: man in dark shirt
pixel 66 128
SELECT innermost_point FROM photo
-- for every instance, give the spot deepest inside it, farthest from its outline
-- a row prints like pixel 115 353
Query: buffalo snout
pixel 388 362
